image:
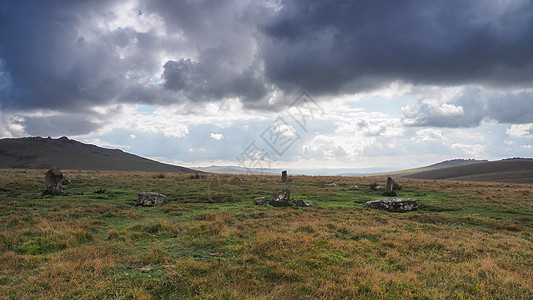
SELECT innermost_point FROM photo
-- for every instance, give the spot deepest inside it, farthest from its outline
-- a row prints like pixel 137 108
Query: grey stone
pixel 260 200
pixel 333 184
pixel 390 184
pixel 282 199
pixel 284 176
pixel 304 203
pixel 53 180
pixel 397 187
pixel 150 199
pixel 66 180
pixel 394 204
pixel 379 188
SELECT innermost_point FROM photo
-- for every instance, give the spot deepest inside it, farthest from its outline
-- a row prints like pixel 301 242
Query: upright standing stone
pixel 54 179
pixel 284 176
pixel 390 184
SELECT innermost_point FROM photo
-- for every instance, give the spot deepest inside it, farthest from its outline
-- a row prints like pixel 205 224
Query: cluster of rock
pixel 390 187
pixel 283 200
pixel 54 179
pixel 392 204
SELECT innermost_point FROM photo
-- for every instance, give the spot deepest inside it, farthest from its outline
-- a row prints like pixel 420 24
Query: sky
pixel 280 84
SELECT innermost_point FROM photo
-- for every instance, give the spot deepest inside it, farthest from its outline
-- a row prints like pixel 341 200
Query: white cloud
pixel 217 136
pixel 323 147
pixel 446 109
pixel 428 134
pixel 521 130
pixel 474 151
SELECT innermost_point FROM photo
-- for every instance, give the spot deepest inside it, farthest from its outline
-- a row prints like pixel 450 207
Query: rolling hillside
pixel 518 170
pixel 64 153
pixel 444 164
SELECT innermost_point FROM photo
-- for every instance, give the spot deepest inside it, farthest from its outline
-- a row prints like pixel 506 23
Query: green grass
pixel 210 241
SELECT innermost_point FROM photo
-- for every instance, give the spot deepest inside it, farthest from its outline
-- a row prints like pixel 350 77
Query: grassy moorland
pixel 467 240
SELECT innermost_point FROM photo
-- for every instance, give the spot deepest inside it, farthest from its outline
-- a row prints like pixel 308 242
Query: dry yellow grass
pixel 467 240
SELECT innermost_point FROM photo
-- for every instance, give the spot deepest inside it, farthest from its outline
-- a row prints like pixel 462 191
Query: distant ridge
pixel 519 170
pixel 64 153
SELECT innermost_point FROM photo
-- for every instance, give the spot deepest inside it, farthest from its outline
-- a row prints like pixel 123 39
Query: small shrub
pixel 99 191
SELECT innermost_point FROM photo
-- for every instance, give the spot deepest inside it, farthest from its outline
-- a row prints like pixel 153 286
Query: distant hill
pixel 237 170
pixel 518 170
pixel 64 153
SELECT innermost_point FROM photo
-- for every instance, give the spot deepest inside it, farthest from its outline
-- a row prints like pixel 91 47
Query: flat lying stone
pixel 394 204
pixel 150 199
pixel 260 200
pixel 304 203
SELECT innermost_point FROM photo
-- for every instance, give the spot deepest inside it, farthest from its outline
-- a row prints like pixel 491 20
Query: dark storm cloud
pixel 227 63
pixel 347 46
pixel 63 56
pixel 206 81
pixel 68 125
pixel 57 58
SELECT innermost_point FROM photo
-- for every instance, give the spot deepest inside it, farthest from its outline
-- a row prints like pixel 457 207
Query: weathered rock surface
pixel 390 184
pixel 284 176
pixel 150 199
pixel 54 179
pixel 304 203
pixel 379 188
pixel 394 204
pixel 260 200
pixel 282 199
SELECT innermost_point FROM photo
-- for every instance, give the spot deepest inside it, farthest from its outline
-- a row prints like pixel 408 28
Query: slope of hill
pixel 515 170
pixel 44 153
pixel 518 170
pixel 444 164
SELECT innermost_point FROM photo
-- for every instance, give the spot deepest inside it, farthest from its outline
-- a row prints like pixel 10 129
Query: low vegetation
pixel 467 240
